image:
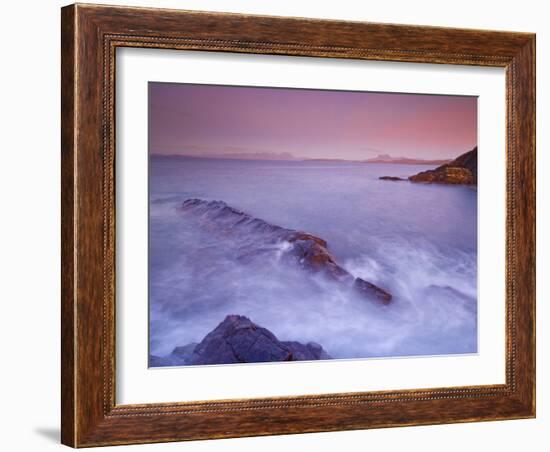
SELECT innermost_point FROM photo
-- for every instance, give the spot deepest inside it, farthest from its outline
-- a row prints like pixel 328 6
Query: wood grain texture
pixel 90 36
pixel 67 226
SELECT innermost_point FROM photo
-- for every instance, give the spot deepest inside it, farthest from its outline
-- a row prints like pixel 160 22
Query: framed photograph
pixel 282 225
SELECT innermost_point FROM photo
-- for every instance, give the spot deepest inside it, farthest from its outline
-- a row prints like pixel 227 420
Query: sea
pixel 416 241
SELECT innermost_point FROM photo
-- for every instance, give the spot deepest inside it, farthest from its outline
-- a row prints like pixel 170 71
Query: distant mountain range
pixel 385 158
pixel 236 156
pixel 382 158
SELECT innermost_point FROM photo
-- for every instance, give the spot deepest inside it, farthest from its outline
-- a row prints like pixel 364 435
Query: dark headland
pixel 460 171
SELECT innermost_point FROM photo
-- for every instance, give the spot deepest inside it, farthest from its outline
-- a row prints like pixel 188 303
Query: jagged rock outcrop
pixel 239 340
pixel 301 248
pixel 462 170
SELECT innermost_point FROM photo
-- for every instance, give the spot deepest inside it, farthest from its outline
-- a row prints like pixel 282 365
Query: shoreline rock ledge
pixel 460 171
pixel 239 340
pixel 305 250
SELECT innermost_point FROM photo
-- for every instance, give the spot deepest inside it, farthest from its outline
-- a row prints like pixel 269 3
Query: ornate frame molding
pixel 90 37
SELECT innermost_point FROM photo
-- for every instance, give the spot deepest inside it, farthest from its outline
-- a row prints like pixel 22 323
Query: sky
pixel 212 120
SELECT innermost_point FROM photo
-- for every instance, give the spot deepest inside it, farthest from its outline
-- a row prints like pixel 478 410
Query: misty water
pixel 416 241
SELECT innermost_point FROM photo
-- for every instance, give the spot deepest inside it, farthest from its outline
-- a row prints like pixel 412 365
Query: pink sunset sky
pixel 213 120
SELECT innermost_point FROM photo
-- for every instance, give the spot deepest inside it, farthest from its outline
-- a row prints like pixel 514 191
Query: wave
pixel 224 261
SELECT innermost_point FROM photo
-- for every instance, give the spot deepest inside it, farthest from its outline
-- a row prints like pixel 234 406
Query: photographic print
pixel 294 224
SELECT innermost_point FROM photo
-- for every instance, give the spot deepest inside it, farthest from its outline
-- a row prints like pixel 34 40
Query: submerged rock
pixel 180 356
pixel 392 178
pixel 239 340
pixel 441 293
pixel 462 170
pixel 184 352
pixel 303 249
pixel 159 361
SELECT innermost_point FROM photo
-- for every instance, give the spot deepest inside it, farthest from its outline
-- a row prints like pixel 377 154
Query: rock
pixel 179 356
pixel 160 361
pixel 368 289
pixel 239 340
pixel 467 160
pixel 392 178
pixel 300 248
pixel 438 293
pixel 461 171
pixel 309 352
pixel 445 175
pixel 184 352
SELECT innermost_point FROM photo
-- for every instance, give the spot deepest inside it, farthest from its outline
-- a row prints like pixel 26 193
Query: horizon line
pixel 376 159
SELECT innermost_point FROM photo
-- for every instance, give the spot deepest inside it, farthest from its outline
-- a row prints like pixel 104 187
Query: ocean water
pixel 416 241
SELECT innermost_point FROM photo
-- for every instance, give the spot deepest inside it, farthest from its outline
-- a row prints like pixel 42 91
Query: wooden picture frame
pixel 90 36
